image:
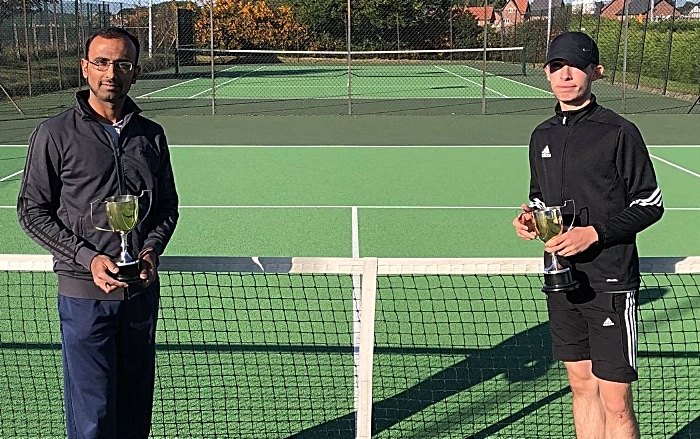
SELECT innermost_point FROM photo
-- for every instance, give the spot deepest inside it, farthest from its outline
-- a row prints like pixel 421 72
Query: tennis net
pixel 343 347
pixel 268 81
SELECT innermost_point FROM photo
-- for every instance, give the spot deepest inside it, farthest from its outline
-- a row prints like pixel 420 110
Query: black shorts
pixel 601 328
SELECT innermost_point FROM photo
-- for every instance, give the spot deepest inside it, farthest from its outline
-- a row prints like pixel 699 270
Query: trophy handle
pixel 573 217
pixel 150 203
pixel 92 220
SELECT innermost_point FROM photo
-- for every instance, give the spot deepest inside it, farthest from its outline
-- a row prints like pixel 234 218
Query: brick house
pixel 483 15
pixel 693 14
pixel 515 12
pixel 639 9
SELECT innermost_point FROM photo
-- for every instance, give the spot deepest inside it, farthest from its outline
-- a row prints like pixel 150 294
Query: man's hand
pixel 572 242
pixel 102 269
pixel 148 266
pixel 524 224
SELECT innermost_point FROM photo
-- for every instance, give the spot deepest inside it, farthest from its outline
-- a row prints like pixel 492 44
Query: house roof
pixel 636 7
pixel 640 7
pixel 478 12
pixel 520 5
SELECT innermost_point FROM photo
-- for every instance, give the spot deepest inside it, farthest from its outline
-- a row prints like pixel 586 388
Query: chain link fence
pixel 302 57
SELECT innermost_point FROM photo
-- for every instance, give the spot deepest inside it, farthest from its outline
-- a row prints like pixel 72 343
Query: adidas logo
pixel 608 322
pixel 545 152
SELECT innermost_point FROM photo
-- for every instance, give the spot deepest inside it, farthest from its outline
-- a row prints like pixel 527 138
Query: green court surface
pixel 407 201
pixel 284 82
pixel 262 355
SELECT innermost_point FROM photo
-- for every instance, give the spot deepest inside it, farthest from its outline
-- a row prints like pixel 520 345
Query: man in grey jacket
pixel 100 148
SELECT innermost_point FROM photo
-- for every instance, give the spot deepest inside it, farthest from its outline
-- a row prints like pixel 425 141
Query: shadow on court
pixel 524 357
pixel 691 430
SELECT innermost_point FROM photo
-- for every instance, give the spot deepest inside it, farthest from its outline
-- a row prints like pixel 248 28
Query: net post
pixel 369 294
pixel 523 60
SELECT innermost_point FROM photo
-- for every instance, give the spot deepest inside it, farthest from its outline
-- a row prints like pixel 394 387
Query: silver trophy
pixel 123 217
pixel 549 223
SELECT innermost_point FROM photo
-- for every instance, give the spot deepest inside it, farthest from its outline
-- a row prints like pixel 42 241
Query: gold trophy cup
pixel 548 224
pixel 123 217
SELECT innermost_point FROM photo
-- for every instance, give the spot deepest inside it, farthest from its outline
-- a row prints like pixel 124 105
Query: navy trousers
pixel 109 365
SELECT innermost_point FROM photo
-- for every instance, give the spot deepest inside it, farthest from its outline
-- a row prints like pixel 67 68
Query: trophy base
pixel 129 272
pixel 559 281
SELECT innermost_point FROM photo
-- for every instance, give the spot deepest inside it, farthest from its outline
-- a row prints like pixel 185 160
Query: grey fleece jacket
pixel 72 162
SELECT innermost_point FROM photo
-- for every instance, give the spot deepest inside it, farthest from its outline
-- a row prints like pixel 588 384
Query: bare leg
pixel 602 409
pixel 589 414
pixel 620 421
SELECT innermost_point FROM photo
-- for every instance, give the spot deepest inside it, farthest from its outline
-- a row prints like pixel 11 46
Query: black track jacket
pixel 73 162
pixel 598 159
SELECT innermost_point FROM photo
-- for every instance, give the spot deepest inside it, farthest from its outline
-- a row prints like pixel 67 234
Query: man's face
pixel 106 68
pixel 571 85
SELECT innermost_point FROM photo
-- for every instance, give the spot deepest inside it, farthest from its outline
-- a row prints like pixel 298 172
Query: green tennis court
pixel 271 354
pixel 405 201
pixel 270 81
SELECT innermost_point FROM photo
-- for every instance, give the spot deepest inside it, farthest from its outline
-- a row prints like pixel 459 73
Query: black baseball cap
pixel 575 47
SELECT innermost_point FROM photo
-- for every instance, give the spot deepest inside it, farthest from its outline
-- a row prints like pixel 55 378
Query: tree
pixel 325 21
pixel 11 8
pixel 421 24
pixel 466 32
pixel 251 25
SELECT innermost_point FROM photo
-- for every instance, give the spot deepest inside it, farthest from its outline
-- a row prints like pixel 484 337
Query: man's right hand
pixel 524 224
pixel 103 269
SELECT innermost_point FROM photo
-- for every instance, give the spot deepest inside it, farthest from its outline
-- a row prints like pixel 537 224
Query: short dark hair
pixel 112 33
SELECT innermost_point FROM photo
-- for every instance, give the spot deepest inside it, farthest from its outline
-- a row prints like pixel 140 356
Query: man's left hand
pixel 149 272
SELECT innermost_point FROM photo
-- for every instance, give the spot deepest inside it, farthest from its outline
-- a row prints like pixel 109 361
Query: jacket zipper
pixel 118 158
pixel 565 122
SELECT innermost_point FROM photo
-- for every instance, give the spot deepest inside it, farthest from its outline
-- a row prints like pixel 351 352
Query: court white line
pixel 347 146
pixel 377 207
pixel 469 80
pixel 11 175
pixel 178 84
pixel 511 80
pixel 513 208
pixel 391 146
pixel 165 88
pixel 355 233
pixel 694 174
pixel 226 82
pixel 357 96
pixel 359 146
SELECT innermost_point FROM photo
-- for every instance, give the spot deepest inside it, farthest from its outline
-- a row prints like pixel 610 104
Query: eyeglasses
pixel 102 65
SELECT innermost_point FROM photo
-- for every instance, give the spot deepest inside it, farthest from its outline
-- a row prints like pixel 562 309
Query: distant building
pixel 583 6
pixel 693 14
pixel 515 12
pixel 483 15
pixel 639 9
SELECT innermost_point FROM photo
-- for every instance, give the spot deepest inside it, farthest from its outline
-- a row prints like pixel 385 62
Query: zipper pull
pixel 563 121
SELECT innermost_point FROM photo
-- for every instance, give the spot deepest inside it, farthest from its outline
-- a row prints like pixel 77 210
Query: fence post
pixel 26 46
pixel 670 47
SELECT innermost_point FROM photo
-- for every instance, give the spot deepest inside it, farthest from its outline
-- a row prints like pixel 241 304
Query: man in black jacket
pixel 100 148
pixel 593 156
